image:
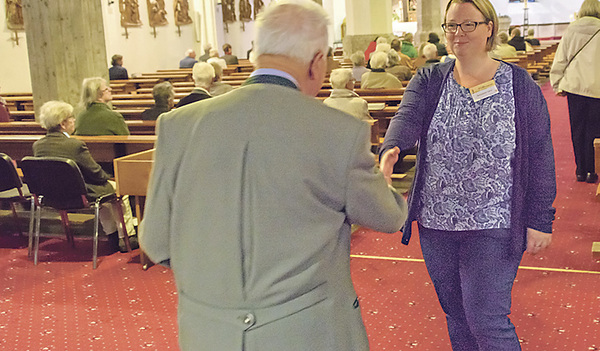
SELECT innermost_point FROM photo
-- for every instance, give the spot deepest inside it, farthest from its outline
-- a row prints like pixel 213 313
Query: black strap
pixel 581 48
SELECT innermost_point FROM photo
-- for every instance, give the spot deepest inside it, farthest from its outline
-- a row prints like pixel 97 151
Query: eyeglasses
pixel 465 26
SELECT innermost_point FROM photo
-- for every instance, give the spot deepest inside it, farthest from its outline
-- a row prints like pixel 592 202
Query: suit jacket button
pixel 249 319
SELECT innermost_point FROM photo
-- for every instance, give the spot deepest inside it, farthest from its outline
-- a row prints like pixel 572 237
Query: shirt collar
pixel 275 72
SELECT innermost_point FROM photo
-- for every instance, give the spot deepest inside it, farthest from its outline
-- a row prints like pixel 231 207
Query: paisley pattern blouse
pixel 468 170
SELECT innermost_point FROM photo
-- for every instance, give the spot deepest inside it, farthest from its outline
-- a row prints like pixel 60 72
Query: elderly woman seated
pixel 203 74
pixel 358 65
pixel 217 87
pixel 164 100
pixel 343 98
pixel 57 118
pixel 394 67
pixel 378 77
pixel 97 117
pixel 503 49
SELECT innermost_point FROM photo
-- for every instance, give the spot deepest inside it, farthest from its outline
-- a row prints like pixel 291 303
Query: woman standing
pixel 575 73
pixel 485 183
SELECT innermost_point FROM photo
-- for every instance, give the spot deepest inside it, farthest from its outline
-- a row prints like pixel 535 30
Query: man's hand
pixel 537 241
pixel 388 160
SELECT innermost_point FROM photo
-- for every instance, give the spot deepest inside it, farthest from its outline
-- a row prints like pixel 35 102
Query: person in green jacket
pixel 97 117
pixel 407 46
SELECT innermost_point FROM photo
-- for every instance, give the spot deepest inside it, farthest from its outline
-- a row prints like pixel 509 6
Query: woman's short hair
pixel 218 70
pixel 358 59
pixel 393 58
pixel 116 59
pixel 203 74
pixel 489 13
pixel 383 47
pixel 430 51
pixel 90 90
pixel 339 77
pixel 408 36
pixel 293 28
pixel 503 38
pixel 589 8
pixel 162 92
pixel 379 60
pixel 381 40
pixel 53 113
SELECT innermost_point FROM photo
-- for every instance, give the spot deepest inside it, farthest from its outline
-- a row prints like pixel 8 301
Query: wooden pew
pixel 136 127
pixel 103 148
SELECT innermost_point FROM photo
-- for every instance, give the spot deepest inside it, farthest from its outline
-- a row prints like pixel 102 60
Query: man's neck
pixel 285 64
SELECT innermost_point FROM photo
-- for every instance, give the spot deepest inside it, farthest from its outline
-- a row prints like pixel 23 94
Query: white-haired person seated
pixel 97 118
pixel 164 100
pixel 378 77
pixel 430 52
pixel 203 74
pixel 214 57
pixel 57 118
pixel 217 87
pixel 503 49
pixel 358 65
pixel 343 97
pixel 394 67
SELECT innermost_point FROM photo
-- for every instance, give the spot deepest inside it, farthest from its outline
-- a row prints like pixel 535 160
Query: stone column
pixel 65 41
pixel 430 15
pixel 366 20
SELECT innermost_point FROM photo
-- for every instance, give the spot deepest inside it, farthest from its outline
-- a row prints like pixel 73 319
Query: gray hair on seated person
pixel 379 60
pixel 590 8
pixel 293 28
pixel 503 38
pixel 90 91
pixel 430 51
pixel 393 58
pixel 53 113
pixel 381 40
pixel 340 77
pixel 203 74
pixel 162 92
pixel 358 59
pixel 218 71
pixel 383 47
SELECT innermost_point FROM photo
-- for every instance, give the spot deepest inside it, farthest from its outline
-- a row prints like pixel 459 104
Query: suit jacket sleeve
pixel 92 172
pixel 369 200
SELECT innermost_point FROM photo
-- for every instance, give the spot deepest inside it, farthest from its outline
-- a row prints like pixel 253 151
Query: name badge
pixel 484 90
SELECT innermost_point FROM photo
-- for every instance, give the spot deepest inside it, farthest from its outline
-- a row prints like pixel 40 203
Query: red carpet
pixel 62 304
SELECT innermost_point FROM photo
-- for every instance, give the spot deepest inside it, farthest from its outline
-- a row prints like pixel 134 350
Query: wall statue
pixel 181 11
pixel 130 13
pixel 245 11
pixel 228 11
pixel 157 15
pixel 258 5
pixel 14 15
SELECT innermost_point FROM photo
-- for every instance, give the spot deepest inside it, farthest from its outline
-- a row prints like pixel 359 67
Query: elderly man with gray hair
pixel 343 97
pixel 252 196
pixel 164 97
pixel 189 60
pixel 378 77
pixel 203 74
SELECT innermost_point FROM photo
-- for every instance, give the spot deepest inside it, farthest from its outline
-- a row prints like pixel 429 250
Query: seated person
pixel 117 71
pixel 430 52
pixel 407 46
pixel 394 67
pixel 358 65
pixel 214 57
pixel 378 77
pixel 517 40
pixel 331 63
pixel 4 113
pixel 97 118
pixel 441 48
pixel 531 39
pixel 203 74
pixel 404 59
pixel 206 54
pixel 217 87
pixel 57 118
pixel 189 60
pixel 503 49
pixel 164 96
pixel 343 97
pixel 228 57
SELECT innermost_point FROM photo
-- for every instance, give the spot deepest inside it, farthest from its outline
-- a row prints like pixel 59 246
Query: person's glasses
pixel 465 26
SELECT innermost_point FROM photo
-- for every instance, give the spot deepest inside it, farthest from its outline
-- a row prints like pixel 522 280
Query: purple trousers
pixel 473 274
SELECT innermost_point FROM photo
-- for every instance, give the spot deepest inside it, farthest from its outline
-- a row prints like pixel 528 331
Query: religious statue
pixel 157 15
pixel 14 14
pixel 130 13
pixel 245 11
pixel 181 10
pixel 228 11
pixel 258 5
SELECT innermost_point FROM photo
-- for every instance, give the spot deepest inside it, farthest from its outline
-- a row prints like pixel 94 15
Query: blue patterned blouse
pixel 468 169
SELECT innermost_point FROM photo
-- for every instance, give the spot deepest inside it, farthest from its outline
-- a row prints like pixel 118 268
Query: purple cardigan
pixel 534 180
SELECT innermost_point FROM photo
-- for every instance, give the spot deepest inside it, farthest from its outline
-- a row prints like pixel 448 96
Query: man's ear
pixel 314 65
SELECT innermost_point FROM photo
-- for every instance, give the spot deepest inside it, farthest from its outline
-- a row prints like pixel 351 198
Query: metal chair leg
pixel 31 228
pixel 36 244
pixel 95 245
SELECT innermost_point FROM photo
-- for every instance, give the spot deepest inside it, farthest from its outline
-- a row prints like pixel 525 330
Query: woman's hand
pixel 537 241
pixel 388 160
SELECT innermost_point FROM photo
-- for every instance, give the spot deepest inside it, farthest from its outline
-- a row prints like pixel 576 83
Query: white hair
pixel 383 47
pixel 53 113
pixel 203 74
pixel 293 28
pixel 381 40
pixel 90 91
pixel 340 77
pixel 379 60
pixel 430 51
pixel 162 92
pixel 358 59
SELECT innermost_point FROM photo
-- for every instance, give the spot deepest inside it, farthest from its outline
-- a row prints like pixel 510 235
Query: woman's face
pixel 68 125
pixel 464 44
pixel 104 94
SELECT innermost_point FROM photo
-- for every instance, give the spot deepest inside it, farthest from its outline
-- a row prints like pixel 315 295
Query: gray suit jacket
pixel 251 198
